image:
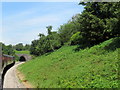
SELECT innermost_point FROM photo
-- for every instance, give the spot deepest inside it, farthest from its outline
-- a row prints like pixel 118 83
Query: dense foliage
pixel 21 47
pixel 45 43
pixel 14 49
pixel 68 29
pixel 7 49
pixel 98 22
pixel 76 38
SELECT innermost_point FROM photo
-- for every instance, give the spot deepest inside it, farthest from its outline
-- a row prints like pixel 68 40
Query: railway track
pixel 4 72
pixel 11 80
pixel 7 62
pixel 0 81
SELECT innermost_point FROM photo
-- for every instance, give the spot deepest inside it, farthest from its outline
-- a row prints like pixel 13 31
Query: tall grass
pixel 95 67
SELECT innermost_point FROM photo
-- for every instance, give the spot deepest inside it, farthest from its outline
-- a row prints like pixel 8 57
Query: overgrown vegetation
pixel 15 49
pixel 7 49
pixel 98 22
pixel 45 43
pixel 95 67
pixel 21 47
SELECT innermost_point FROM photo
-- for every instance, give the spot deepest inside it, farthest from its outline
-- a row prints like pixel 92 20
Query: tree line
pixel 10 49
pixel 98 22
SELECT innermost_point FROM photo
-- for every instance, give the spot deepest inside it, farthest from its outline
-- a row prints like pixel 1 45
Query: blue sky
pixel 23 21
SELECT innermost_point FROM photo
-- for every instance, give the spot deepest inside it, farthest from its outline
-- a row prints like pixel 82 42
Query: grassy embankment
pixel 89 68
pixel 22 52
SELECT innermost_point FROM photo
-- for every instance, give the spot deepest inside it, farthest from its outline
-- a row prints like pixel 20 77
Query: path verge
pixel 22 79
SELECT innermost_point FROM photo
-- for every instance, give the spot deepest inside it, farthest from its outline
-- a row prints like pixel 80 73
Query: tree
pixel 45 44
pixel 33 49
pixel 41 35
pixel 76 38
pixel 91 27
pixel 54 40
pixel 7 49
pixel 49 37
pixel 49 28
pixel 19 47
pixel 99 21
pixel 27 47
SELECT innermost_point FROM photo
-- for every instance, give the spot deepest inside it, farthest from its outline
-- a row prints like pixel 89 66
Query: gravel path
pixel 11 80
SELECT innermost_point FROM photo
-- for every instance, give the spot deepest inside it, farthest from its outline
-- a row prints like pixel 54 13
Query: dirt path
pixel 11 80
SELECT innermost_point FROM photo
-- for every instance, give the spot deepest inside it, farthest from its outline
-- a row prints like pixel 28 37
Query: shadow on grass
pixel 114 45
pixel 110 46
pixel 81 47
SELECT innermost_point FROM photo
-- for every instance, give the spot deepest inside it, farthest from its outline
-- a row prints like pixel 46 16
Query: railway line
pixel 7 62
pixel 11 80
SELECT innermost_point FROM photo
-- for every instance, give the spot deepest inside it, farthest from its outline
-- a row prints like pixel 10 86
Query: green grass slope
pixel 22 52
pixel 95 67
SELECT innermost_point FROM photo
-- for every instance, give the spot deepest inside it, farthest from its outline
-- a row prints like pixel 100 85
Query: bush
pixel 75 38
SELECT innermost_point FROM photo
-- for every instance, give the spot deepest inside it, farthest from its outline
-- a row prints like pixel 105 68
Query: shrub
pixel 75 38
